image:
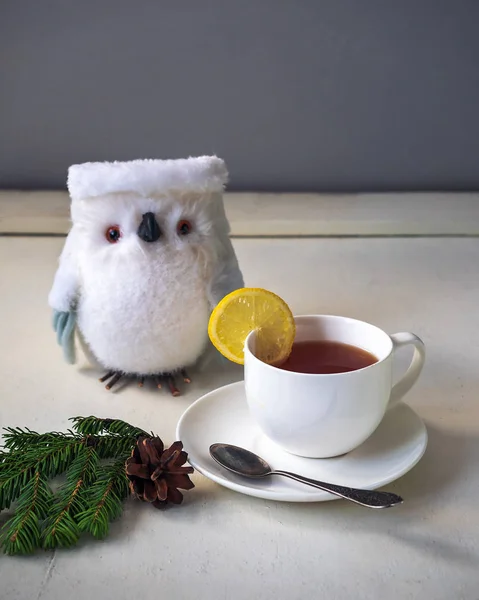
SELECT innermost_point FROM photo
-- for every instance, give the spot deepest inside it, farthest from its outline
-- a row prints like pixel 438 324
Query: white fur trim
pixel 204 174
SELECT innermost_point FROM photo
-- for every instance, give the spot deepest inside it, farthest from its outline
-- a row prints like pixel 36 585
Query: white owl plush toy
pixel 146 260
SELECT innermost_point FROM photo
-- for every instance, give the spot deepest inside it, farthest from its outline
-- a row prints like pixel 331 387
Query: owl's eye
pixel 184 227
pixel 113 234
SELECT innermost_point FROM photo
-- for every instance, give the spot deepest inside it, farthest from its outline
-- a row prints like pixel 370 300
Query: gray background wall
pixel 311 95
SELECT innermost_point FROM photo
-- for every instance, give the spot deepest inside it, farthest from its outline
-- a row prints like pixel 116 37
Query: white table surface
pixel 220 544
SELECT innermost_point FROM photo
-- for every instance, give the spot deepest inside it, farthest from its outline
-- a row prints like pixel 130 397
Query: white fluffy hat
pixel 146 177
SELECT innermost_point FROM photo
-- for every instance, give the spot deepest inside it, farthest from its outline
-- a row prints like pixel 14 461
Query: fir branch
pixel 112 446
pixel 60 527
pixel 86 429
pixel 105 500
pixel 17 438
pixel 21 534
pixel 92 495
pixel 94 426
pixel 52 447
pixel 50 460
pixel 51 454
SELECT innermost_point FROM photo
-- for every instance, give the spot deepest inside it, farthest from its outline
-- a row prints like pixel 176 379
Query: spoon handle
pixel 370 498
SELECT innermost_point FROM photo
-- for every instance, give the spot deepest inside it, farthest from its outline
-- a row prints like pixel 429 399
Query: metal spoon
pixel 243 462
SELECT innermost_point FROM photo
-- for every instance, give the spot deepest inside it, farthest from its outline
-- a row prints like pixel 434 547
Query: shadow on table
pixel 441 468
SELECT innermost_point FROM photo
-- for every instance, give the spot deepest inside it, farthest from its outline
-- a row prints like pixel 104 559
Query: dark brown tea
pixel 327 357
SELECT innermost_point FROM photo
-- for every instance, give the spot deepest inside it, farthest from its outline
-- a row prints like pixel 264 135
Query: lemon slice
pixel 252 309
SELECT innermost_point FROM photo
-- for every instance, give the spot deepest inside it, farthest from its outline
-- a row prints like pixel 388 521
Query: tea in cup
pixel 335 387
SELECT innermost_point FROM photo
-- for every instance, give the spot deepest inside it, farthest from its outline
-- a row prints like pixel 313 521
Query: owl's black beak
pixel 149 230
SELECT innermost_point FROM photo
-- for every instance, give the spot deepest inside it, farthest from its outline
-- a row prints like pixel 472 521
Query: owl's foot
pixel 113 377
pixel 185 376
pixel 170 381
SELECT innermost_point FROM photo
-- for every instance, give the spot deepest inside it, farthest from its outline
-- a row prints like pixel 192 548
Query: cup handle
pixel 402 387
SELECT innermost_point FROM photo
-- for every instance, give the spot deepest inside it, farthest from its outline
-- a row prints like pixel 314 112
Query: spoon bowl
pixel 240 461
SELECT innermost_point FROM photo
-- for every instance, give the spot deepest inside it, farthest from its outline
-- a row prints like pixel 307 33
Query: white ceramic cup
pixel 325 415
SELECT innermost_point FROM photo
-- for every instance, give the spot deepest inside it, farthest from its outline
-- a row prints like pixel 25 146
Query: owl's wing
pixel 227 275
pixel 226 278
pixel 64 325
pixel 63 296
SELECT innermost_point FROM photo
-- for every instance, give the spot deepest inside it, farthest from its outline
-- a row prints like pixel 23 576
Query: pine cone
pixel 155 474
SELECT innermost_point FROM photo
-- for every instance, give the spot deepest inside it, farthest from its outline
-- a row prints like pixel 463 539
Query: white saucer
pixel 222 416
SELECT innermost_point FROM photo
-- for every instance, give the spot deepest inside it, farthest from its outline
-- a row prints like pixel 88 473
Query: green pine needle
pixel 22 534
pixel 112 446
pixel 105 500
pixel 94 426
pixel 51 458
pixel 63 534
pixel 17 438
pixel 52 455
pixel 61 529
